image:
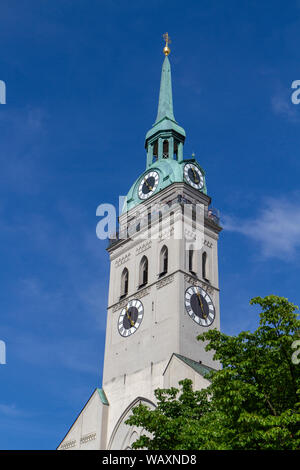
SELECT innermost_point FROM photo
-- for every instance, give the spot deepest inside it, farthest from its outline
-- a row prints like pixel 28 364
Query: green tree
pixel 251 403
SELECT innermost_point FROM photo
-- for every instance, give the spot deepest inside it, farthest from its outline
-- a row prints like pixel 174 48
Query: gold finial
pixel 167 50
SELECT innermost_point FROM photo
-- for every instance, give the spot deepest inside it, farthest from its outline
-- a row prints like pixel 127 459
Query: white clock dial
pixel 193 176
pixel 130 317
pixel 148 185
pixel 199 306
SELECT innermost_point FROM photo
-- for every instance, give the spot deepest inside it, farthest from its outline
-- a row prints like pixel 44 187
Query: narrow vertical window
pixel 194 216
pixel 124 282
pixel 172 228
pixel 143 274
pixel 155 152
pixel 160 223
pixel 163 261
pixel 165 149
pixel 175 155
pixel 204 265
pixel 191 259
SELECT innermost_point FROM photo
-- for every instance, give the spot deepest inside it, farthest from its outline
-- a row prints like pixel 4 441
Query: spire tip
pixel 166 49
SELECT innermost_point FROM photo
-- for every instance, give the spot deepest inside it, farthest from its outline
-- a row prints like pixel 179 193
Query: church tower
pixel 163 288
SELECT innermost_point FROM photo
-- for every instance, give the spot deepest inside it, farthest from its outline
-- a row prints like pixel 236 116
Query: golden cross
pixel 168 41
pixel 167 38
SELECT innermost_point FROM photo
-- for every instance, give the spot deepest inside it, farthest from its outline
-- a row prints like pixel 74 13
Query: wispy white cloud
pixel 276 228
pixel 282 105
pixel 10 410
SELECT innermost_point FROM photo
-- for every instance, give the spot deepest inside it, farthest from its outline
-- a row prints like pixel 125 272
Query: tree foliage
pixel 251 403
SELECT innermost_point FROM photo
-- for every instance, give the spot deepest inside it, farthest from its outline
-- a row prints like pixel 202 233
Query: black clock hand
pixel 147 184
pixel 129 317
pixel 194 173
pixel 201 305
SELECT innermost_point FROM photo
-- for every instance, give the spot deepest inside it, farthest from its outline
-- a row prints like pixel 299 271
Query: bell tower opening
pixel 165 149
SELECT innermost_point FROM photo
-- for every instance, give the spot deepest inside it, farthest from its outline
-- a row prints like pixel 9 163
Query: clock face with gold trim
pixel 130 318
pixel 199 306
pixel 193 176
pixel 148 185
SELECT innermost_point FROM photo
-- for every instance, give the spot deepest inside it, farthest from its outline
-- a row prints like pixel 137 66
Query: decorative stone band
pixel 190 235
pixel 122 260
pixel 124 302
pixel 161 283
pixel 88 438
pixel 208 244
pixel 164 282
pixel 143 247
pixel 195 282
pixel 142 293
pixel 68 445
pixel 166 234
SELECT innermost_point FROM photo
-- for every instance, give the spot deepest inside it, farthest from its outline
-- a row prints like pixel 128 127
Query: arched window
pixel 165 149
pixel 143 274
pixel 163 261
pixel 204 266
pixel 191 259
pixel 124 282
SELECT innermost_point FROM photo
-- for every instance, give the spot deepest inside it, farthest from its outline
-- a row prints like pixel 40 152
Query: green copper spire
pixel 165 105
pixel 164 144
pixel 165 126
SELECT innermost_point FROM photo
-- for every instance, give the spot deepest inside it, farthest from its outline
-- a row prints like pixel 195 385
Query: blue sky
pixel 82 83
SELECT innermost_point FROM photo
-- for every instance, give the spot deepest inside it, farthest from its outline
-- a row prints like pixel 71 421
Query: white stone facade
pixel 136 365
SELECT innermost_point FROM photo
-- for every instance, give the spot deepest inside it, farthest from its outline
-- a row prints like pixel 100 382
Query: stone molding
pixel 143 247
pixel 68 445
pixel 195 282
pixel 137 295
pixel 164 282
pixel 166 234
pixel 122 260
pixel 88 438
pixel 208 244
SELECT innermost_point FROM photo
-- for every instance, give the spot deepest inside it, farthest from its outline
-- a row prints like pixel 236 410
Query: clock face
pixel 130 318
pixel 199 306
pixel 148 184
pixel 193 176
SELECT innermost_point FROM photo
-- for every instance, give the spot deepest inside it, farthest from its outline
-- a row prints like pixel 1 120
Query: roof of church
pixel 197 366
